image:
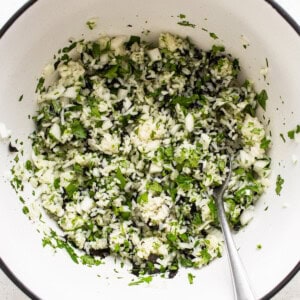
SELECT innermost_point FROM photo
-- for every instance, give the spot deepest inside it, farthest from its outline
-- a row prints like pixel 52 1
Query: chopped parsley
pixel 291 134
pixel 282 137
pixel 186 23
pixel 213 35
pixel 89 260
pixel 146 279
pixel 191 278
pixel 91 24
pixel 25 210
pixel 262 98
pixel 265 143
pixel 279 184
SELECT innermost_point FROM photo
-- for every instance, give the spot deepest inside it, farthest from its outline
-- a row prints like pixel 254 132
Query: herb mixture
pixel 131 141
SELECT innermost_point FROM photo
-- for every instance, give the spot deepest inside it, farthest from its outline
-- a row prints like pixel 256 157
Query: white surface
pixel 7 289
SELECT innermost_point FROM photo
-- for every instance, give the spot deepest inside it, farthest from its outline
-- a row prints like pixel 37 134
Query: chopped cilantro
pixel 91 24
pixel 146 279
pixel 71 188
pixel 262 98
pixel 121 178
pixel 40 85
pixel 279 184
pixel 186 23
pixel 155 187
pixel 213 35
pixel 78 130
pixel 25 210
pixel 28 165
pixel 143 198
pixel 282 137
pixel 89 260
pixel 112 72
pixel 191 278
pixel 184 101
pixel 68 49
pixel 265 143
pixel 96 50
pixel 291 134
pixel 133 39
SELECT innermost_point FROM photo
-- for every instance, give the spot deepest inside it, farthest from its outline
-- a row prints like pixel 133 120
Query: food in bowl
pixel 132 139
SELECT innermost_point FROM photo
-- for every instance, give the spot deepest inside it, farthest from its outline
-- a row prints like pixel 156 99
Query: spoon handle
pixel 242 289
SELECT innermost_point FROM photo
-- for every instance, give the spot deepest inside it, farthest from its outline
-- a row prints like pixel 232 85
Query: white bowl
pixel 29 41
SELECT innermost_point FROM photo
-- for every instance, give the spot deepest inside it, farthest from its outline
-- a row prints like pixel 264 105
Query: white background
pixel 8 291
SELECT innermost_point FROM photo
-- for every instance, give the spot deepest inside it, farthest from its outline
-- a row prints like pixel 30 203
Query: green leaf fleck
pixel 78 130
pixel 213 35
pixel 121 178
pixel 146 279
pixel 282 137
pixel 265 143
pixel 291 134
pixel 279 184
pixel 262 98
pixel 191 278
pixel 186 23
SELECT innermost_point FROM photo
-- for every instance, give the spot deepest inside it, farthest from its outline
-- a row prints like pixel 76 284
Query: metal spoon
pixel 242 290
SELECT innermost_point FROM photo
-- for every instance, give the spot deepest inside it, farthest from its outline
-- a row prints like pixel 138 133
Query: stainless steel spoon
pixel 242 290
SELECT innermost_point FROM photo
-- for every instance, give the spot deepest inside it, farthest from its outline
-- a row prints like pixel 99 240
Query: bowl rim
pixel 9 273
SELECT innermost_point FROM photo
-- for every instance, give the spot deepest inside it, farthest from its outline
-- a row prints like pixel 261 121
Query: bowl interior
pixel 45 27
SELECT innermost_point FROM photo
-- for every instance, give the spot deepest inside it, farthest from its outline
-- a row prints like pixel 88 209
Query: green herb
pixel 262 98
pixel 28 165
pixel 68 49
pixel 25 210
pixel 78 130
pixel 56 183
pixel 96 50
pixel 265 143
pixel 279 184
pixel 213 35
pixel 55 242
pixel 20 98
pixel 91 24
pixel 282 137
pixel 291 134
pixel 121 178
pixel 184 101
pixel 259 246
pixel 216 49
pixel 213 210
pixel 171 237
pixel 112 72
pixel 181 16
pixel 186 23
pixel 89 260
pixel 191 278
pixel 146 279
pixel 143 198
pixel 155 187
pixel 133 39
pixel 40 85
pixel 71 189
pixel 205 256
